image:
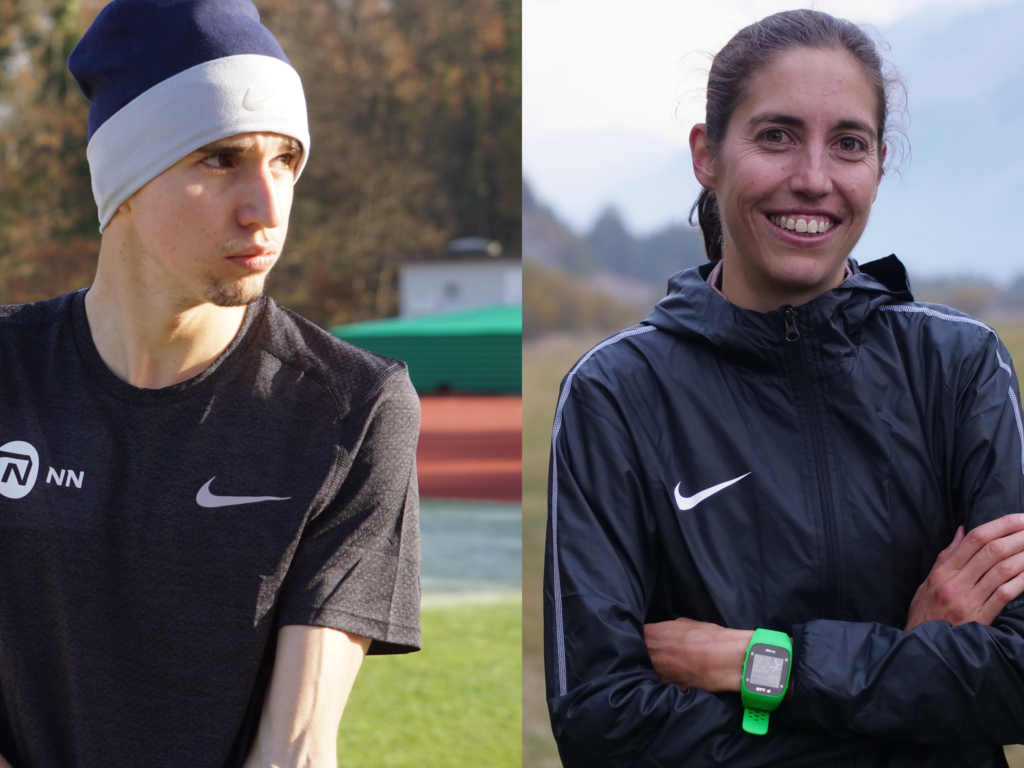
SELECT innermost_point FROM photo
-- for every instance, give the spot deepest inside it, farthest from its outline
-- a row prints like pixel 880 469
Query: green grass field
pixel 455 704
pixel 544 364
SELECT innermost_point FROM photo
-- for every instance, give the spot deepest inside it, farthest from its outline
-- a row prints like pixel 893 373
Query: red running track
pixel 471 448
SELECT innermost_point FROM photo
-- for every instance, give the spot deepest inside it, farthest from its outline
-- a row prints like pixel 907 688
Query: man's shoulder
pixel 350 374
pixel 36 314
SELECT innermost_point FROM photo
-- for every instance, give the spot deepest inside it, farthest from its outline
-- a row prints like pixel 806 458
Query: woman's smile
pixel 804 225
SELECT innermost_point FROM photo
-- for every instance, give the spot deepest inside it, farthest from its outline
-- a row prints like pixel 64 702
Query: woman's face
pixel 795 177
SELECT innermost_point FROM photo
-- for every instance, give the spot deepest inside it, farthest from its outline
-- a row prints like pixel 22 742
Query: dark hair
pixel 755 46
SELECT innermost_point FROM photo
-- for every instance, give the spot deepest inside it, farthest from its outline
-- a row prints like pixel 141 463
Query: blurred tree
pixel 415 121
pixel 613 244
pixel 549 240
pixel 49 233
pixel 557 301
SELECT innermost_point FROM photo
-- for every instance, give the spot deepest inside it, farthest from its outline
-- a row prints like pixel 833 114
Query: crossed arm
pixel 973 579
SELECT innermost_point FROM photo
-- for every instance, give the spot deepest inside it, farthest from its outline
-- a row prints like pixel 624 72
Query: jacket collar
pixel 692 310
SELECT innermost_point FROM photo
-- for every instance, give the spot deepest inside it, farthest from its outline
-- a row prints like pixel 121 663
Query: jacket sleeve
pixel 607 705
pixel 936 684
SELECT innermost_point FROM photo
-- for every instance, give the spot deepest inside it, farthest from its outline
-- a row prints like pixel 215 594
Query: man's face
pixel 210 227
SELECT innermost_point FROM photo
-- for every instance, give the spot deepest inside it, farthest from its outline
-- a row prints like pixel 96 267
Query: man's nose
pixel 261 203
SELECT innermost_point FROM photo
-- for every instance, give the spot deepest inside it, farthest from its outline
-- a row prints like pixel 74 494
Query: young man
pixel 208 506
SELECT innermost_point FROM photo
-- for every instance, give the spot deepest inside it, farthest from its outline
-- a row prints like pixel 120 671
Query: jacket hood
pixel 694 311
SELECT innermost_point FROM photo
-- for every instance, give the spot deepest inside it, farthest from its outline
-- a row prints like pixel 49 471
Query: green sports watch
pixel 765 678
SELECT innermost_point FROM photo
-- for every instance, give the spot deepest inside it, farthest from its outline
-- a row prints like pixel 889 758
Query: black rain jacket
pixel 859 431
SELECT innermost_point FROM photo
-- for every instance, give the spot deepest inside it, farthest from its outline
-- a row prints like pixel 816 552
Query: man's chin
pixel 238 293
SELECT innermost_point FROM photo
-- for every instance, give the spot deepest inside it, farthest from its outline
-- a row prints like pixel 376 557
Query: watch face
pixel 766 669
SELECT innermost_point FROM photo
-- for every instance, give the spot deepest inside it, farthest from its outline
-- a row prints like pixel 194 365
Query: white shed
pixel 459 280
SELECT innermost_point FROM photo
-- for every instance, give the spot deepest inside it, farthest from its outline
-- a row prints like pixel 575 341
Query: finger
pixel 656 629
pixel 1000 573
pixel 1003 595
pixel 989 557
pixel 981 536
pixel 944 554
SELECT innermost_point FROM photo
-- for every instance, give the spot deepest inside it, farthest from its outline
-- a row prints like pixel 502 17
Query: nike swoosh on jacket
pixel 689 502
pixel 868 441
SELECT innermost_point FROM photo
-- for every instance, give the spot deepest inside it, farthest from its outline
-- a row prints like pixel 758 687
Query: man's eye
pixel 217 161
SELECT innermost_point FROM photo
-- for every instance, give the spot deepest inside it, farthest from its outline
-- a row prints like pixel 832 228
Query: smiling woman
pixel 789 464
pixel 794 178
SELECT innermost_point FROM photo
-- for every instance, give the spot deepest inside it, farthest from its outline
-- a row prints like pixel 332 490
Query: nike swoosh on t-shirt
pixel 689 502
pixel 206 499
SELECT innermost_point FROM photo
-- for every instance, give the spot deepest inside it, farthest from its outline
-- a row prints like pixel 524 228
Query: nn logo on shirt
pixel 19 468
pixel 72 477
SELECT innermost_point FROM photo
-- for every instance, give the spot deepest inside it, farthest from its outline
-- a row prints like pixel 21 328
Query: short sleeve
pixel 357 564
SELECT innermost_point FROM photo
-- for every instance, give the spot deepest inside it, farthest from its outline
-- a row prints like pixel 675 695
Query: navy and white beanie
pixel 166 77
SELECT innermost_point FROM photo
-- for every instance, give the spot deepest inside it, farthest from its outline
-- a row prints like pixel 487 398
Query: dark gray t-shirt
pixel 152 541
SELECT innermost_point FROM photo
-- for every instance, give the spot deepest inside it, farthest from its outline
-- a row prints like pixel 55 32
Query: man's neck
pixel 150 338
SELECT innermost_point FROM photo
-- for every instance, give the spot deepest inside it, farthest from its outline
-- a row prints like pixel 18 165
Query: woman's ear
pixel 703 159
pixel 881 171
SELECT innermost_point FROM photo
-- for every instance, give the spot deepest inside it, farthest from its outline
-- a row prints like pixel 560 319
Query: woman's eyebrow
pixel 855 125
pixel 783 119
pixel 775 117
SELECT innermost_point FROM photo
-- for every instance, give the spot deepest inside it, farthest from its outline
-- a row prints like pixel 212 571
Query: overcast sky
pixel 611 89
pixel 598 66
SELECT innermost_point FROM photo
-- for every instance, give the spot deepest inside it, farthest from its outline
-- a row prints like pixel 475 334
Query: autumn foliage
pixel 415 119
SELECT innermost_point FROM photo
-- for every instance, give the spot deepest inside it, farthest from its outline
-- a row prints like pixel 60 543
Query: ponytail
pixel 710 223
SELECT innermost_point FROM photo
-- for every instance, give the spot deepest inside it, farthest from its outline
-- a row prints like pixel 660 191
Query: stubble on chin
pixel 235 293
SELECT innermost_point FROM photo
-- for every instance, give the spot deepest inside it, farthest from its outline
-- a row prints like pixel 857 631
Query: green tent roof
pixel 466 322
pixel 474 350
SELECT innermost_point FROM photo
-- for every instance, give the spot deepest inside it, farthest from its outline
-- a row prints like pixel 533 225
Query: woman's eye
pixel 774 135
pixel 851 144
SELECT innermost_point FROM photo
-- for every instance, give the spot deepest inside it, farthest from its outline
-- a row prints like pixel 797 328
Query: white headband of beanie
pixel 206 103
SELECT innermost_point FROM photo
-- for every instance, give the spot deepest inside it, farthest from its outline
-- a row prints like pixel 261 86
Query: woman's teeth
pixel 802 225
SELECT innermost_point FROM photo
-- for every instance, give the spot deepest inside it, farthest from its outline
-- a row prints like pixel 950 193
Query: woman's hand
pixel 695 654
pixel 975 577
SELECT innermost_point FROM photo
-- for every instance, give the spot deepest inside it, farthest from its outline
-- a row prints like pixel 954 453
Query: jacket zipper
pixel 820 465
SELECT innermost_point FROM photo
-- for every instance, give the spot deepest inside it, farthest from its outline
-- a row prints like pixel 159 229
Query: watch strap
pixel 771 637
pixel 755 721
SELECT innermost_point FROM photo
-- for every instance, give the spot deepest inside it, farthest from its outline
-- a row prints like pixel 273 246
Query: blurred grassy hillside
pixel 544 363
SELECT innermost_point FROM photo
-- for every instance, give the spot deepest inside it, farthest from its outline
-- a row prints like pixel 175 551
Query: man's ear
pixel 703 158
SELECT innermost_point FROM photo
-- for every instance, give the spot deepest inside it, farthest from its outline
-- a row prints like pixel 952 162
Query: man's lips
pixel 255 260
